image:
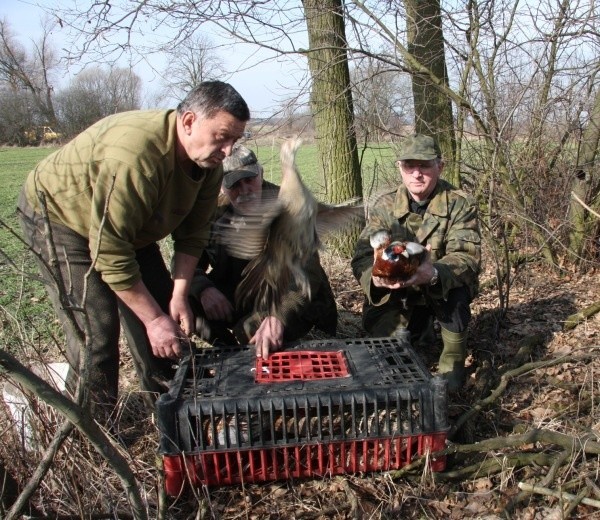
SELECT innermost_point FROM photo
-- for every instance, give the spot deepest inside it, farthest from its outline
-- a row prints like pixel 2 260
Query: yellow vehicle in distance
pixel 42 134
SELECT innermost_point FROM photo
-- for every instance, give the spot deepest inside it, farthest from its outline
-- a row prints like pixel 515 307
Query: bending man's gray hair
pixel 209 97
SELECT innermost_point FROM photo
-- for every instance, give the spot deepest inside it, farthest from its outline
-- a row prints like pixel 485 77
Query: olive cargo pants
pixel 101 312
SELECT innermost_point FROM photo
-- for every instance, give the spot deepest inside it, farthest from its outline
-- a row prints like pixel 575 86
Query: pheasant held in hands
pixel 397 260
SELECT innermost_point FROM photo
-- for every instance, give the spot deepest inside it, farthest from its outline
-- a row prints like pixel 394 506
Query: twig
pixel 583 444
pixel 584 204
pixel 570 444
pixel 506 378
pixel 325 512
pixel 161 512
pixel 351 496
pixel 40 472
pixel 540 490
pixel 572 505
pixel 95 516
pixel 592 486
pixel 495 465
pixel 82 421
pixel 546 481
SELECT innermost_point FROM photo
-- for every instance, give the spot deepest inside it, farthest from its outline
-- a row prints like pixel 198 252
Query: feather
pixel 281 235
pixel 395 260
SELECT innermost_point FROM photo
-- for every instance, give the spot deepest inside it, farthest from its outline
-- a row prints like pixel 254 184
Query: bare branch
pixel 81 420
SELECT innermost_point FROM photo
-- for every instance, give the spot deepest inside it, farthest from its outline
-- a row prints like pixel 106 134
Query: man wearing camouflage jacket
pixel 432 212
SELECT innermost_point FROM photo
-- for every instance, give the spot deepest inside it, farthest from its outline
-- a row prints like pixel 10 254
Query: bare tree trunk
pixel 331 99
pixel 586 185
pixel 433 108
pixel 332 107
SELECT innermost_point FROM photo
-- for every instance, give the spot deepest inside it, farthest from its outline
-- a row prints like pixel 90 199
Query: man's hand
pixel 422 276
pixel 268 337
pixel 165 337
pixel 215 304
pixel 181 313
pixel 164 333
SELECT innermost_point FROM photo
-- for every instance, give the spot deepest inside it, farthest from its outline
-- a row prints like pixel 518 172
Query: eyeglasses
pixel 413 164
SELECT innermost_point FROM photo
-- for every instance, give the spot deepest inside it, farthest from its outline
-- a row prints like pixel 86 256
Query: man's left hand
pixel 422 276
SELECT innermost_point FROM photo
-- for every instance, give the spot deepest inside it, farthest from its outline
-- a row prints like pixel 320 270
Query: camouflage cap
pixel 241 164
pixel 420 147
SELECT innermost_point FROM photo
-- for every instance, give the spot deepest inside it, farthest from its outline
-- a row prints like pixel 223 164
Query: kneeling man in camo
pixel 429 211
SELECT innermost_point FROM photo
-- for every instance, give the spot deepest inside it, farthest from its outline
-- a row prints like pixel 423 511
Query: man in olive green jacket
pixel 430 211
pixel 110 195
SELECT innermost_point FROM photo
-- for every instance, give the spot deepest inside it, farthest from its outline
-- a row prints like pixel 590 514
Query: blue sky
pixel 265 85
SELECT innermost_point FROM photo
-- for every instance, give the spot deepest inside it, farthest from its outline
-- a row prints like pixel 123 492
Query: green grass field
pixel 15 163
pixel 26 317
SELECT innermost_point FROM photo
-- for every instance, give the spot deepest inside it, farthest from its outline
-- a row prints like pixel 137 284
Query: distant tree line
pixel 31 105
pixel 30 100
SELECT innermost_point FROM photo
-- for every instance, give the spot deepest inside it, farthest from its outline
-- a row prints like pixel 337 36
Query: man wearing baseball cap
pixel 244 194
pixel 242 165
pixel 428 210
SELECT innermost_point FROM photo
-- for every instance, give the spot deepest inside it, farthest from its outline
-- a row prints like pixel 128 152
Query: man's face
pixel 207 141
pixel 245 193
pixel 420 177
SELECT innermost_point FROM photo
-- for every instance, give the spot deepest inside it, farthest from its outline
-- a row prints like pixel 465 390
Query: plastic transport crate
pixel 318 408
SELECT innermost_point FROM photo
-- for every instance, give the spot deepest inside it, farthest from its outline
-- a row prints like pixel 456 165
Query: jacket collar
pixel 438 205
pixel 437 209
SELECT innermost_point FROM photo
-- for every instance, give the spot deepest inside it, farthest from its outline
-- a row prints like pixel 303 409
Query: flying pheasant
pixel 281 235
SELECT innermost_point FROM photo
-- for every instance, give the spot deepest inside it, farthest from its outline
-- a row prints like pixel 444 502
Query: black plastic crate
pixel 320 407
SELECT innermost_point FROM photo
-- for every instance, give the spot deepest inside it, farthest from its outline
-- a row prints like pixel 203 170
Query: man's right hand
pixel 216 306
pixel 164 334
pixel 268 337
pixel 165 337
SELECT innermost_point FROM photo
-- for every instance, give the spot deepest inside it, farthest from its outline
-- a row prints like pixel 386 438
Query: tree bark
pixel 331 99
pixel 586 186
pixel 433 108
pixel 332 109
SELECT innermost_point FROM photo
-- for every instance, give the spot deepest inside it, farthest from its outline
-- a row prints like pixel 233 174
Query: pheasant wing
pixel 332 219
pixel 244 236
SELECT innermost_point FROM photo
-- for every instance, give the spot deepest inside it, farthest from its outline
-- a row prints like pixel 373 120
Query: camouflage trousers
pixel 452 314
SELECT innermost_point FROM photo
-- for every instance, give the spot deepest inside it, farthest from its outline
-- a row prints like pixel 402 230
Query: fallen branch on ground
pixel 575 319
pixel 572 445
pixel 561 495
pixel 477 407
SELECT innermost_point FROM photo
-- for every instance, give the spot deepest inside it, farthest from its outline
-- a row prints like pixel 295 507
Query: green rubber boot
pixel 452 360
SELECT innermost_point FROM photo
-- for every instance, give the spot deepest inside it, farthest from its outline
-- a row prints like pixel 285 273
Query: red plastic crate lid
pixel 303 364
